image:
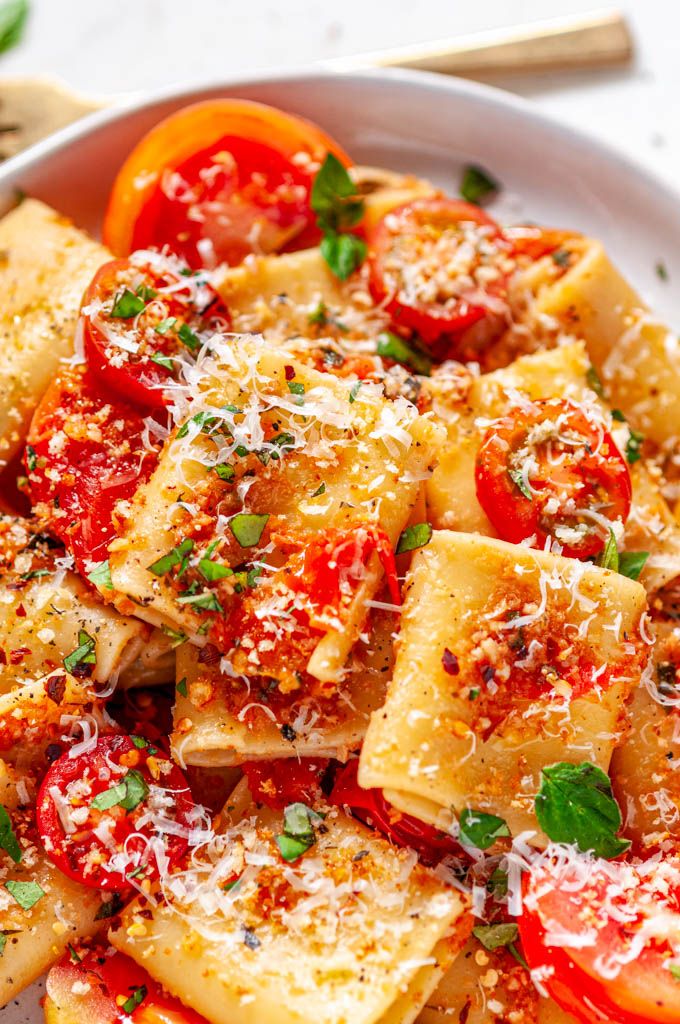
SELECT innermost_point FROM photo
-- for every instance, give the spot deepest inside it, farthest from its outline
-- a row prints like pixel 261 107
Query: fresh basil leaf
pixel 110 908
pixel 354 391
pixel 319 315
pixel 633 446
pixel 593 381
pixel 8 840
pixel 182 687
pixel 27 894
pixel 343 253
pixel 575 805
pixel 334 197
pixel 100 575
pixel 177 636
pixel 212 571
pixel 224 471
pixel 31 458
pixel 518 480
pixel 128 793
pixel 291 849
pixel 495 936
pixel 608 558
pixel 35 574
pixel 477 185
pixel 321 489
pixel 165 325
pixel 84 653
pixel 481 830
pixel 13 15
pixel 631 563
pixel 296 388
pixel 110 797
pixel 188 338
pixel 173 558
pixel 205 420
pixel 127 305
pixel 205 602
pixel 391 346
pixel 298 821
pixel 415 536
pixel 137 997
pixel 160 360
pixel 248 527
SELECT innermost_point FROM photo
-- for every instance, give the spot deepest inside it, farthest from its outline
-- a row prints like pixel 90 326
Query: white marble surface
pixel 109 48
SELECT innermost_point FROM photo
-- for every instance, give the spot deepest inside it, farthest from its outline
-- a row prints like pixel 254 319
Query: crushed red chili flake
pixel 17 656
pixel 21 612
pixel 290 372
pixel 450 662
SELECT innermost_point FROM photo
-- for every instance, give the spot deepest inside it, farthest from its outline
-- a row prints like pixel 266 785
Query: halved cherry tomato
pixel 138 314
pixel 550 470
pixel 285 780
pixel 118 991
pixel 108 815
pixel 86 451
pixel 371 807
pixel 602 936
pixel 218 180
pixel 439 266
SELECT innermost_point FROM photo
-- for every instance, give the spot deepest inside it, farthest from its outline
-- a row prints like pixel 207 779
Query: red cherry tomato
pixel 118 990
pixel 219 180
pixel 371 807
pixel 439 266
pixel 86 451
pixel 138 315
pixel 550 470
pixel 101 815
pixel 285 780
pixel 601 938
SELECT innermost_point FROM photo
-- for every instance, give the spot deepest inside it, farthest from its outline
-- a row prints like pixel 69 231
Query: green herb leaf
pixel 298 821
pixel 224 471
pixel 593 381
pixel 205 602
pixel 415 536
pixel 174 557
pixel 13 14
pixel 575 805
pixel 661 271
pixel 165 325
pixel 319 315
pixel 608 558
pixel 354 391
pixel 8 840
pixel 481 830
pixel 631 563
pixel 27 894
pixel 137 997
pixel 35 574
pixel 391 346
pixel 110 908
pixel 204 420
pixel 247 528
pixel 212 571
pixel 84 653
pixel 518 480
pixel 321 489
pixel 633 446
pixel 477 185
pixel 161 360
pixel 127 305
pixel 31 458
pixel 100 575
pixel 128 793
pixel 176 635
pixel 343 253
pixel 188 338
pixel 561 257
pixel 182 687
pixel 334 197
pixel 295 388
pixel 495 936
pixel 291 849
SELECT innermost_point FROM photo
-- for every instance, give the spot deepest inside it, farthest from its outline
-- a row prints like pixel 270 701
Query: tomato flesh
pixel 86 452
pixel 411 251
pixel 219 180
pixel 286 780
pixel 104 842
pixel 134 351
pixel 371 807
pixel 584 940
pixel 576 476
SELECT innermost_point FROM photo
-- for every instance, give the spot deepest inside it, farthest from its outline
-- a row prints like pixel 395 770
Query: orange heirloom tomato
pixel 603 938
pixel 218 180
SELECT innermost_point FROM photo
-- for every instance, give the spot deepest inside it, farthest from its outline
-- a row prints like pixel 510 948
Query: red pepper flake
pixel 290 372
pixel 21 612
pixel 17 656
pixel 450 662
pixel 3 657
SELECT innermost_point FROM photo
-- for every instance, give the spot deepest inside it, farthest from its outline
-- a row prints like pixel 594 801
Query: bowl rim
pixel 468 90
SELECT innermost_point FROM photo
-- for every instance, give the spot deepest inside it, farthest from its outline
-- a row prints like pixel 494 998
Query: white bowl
pixel 411 121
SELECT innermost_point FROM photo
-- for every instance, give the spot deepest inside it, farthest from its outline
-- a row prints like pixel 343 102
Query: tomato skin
pixel 597 473
pixel 218 180
pixel 71 851
pixel 112 975
pixel 285 780
pixel 432 319
pixel 133 377
pixel 331 558
pixel 100 459
pixel 371 807
pixel 642 992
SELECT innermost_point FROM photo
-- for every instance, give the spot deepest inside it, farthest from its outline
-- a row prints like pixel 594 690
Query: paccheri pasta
pixel 344 500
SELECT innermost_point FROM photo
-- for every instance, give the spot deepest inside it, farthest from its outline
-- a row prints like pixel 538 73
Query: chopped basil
pixel 173 558
pixel 143 744
pixel 165 325
pixel 633 445
pixel 391 346
pixel 35 574
pixel 205 602
pixel 517 478
pixel 343 253
pixel 182 687
pixel 100 575
pixel 138 996
pixel 13 14
pixel 177 636
pixel 481 830
pixel 224 471
pixel 498 884
pixel 618 416
pixel 477 185
pixel 575 805
pixel 188 338
pixel 27 894
pixel 128 793
pixel 608 558
pixel 631 563
pixel 319 315
pixel 73 956
pixel 8 840
pixel 31 458
pixel 354 391
pixel 84 653
pixel 161 360
pixel 495 936
pixel 661 271
pixel 675 970
pixel 415 536
pixel 298 831
pixel 205 420
pixel 110 908
pixel 3 942
pixel 321 489
pixel 248 527
pixel 593 381
pixel 295 388
pixel 210 570
pixel 291 849
pixel 127 305
pixel 335 201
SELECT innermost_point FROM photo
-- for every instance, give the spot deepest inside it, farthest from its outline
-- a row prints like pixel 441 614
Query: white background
pixel 110 46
